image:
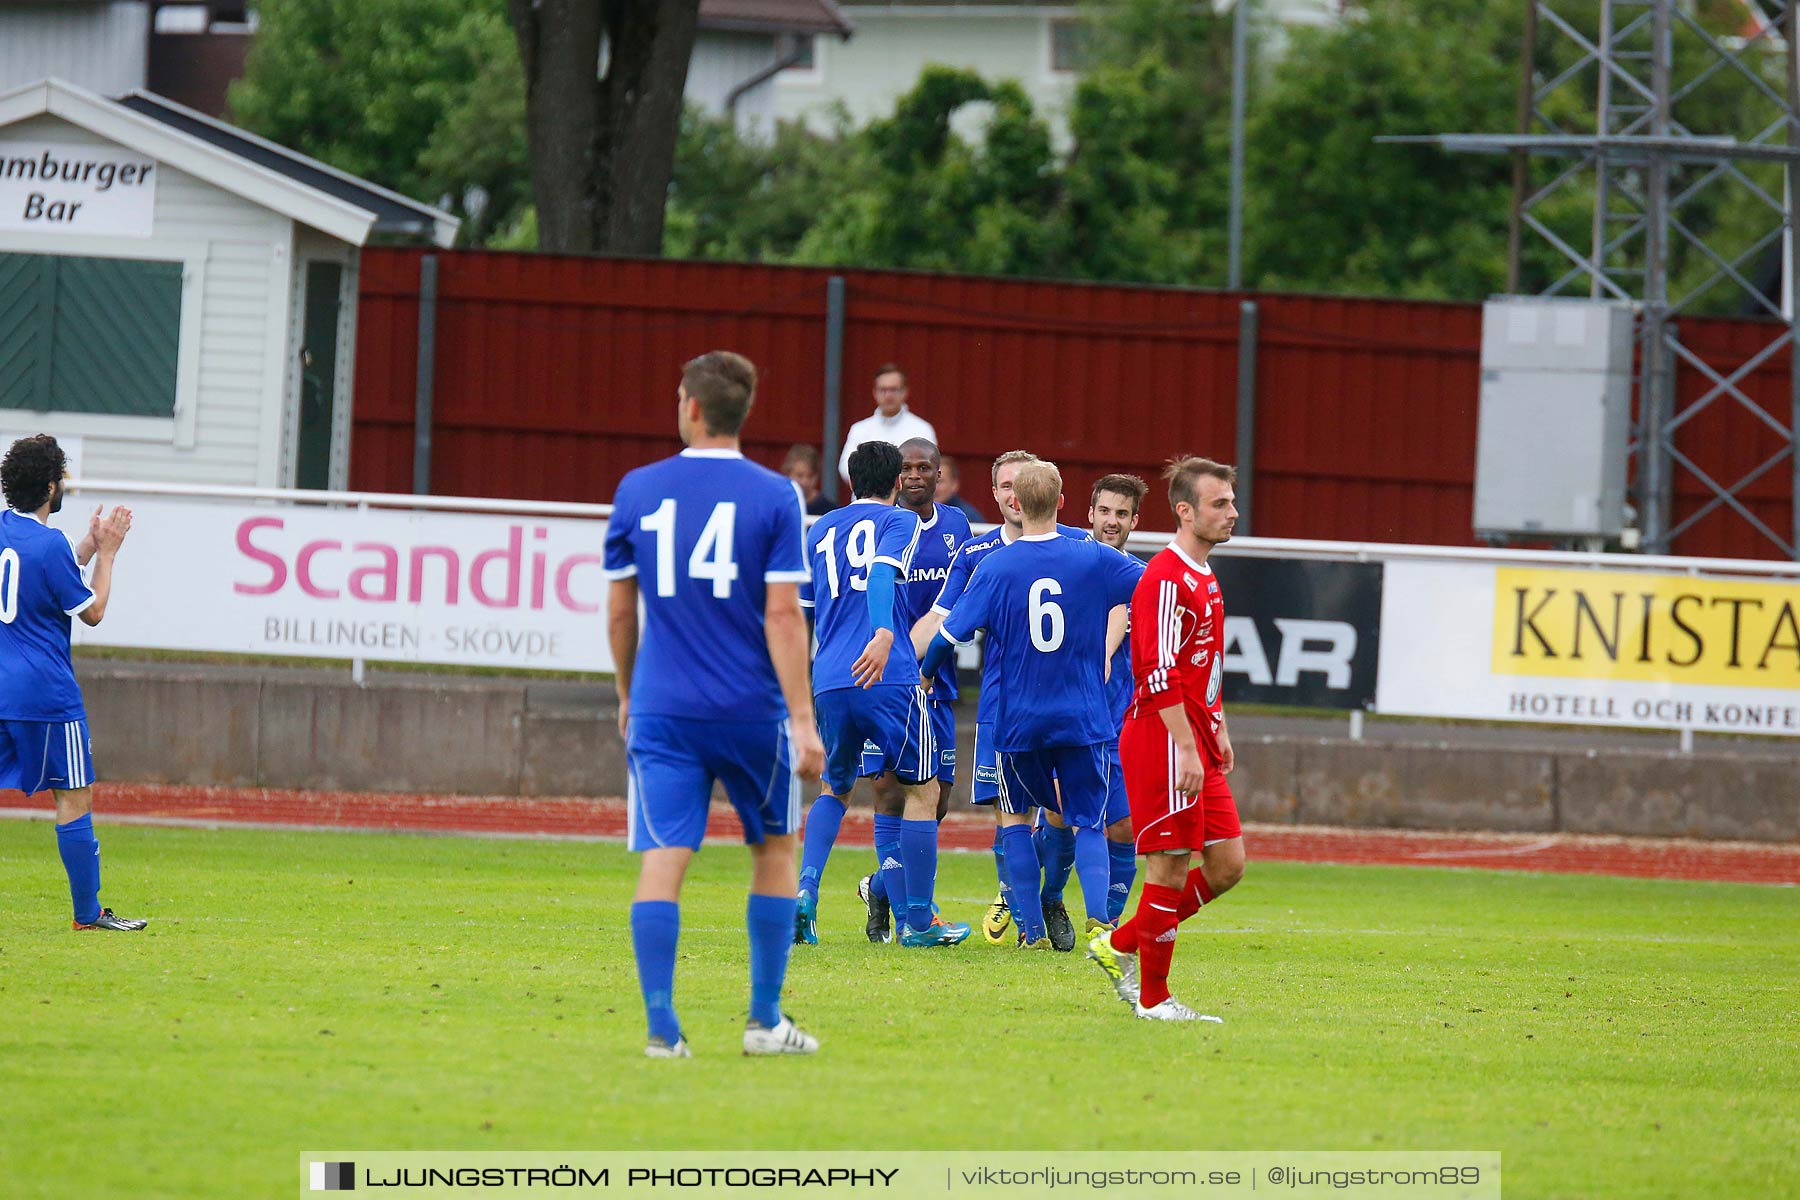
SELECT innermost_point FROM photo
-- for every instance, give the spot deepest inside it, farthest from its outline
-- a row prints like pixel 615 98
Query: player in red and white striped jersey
pixel 1175 747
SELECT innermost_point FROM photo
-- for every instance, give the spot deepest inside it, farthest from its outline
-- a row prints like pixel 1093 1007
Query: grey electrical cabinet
pixel 1555 417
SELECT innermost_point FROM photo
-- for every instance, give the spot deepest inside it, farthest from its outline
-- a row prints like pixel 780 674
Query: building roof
pixel 279 179
pixel 775 16
pixel 396 216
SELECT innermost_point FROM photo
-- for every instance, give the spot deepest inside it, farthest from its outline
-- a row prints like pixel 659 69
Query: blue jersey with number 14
pixel 843 546
pixel 705 533
pixel 1044 600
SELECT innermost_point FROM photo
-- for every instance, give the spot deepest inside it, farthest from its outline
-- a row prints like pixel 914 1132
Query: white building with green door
pixel 178 297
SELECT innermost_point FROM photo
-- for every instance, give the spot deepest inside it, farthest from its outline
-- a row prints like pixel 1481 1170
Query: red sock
pixel 1196 894
pixel 1156 920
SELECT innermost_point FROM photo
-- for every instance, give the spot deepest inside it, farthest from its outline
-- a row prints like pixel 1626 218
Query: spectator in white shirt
pixel 892 421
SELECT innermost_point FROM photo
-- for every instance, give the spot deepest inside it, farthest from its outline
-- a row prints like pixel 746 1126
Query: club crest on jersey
pixel 950 541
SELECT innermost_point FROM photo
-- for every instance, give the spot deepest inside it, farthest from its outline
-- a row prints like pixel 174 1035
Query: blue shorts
pixel 1031 778
pixel 672 763
pixel 870 731
pixel 1118 808
pixel 35 755
pixel 943 731
pixel 986 787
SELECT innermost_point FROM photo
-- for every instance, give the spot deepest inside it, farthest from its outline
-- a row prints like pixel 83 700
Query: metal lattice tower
pixel 1620 113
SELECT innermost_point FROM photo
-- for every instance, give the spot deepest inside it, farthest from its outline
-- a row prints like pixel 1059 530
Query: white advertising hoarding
pixel 53 187
pixel 1622 648
pixel 383 584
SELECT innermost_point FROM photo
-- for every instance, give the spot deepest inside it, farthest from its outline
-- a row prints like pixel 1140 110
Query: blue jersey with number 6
pixel 1044 601
pixel 705 532
pixel 843 546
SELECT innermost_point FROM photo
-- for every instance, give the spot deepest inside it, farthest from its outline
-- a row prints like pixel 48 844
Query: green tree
pixel 421 96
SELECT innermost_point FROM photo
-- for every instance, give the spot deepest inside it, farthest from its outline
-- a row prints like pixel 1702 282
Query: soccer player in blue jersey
pixel 714 689
pixel 985 783
pixel 866 688
pixel 1113 510
pixel 942 531
pixel 44 740
pixel 1046 600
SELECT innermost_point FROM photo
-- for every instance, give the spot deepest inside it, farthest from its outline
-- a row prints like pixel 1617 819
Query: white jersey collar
pixel 711 452
pixel 1203 568
pixel 31 516
pixel 1039 537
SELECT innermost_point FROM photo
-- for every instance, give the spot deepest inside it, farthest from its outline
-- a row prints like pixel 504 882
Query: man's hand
pixel 869 665
pixel 808 751
pixel 90 541
pixel 109 534
pixel 1189 774
pixel 624 714
pixel 1227 759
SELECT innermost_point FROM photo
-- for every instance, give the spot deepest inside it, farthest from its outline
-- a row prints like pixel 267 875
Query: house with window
pixel 1039 45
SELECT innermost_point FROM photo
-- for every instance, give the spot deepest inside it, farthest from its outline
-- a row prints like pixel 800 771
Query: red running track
pixel 511 816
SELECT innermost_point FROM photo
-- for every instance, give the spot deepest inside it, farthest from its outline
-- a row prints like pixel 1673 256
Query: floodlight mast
pixel 1633 158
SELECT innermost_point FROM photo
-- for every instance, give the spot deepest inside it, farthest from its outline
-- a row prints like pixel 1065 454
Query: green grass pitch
pixel 299 991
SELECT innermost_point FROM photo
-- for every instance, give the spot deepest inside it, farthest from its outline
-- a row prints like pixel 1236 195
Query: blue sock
pixel 1092 868
pixel 891 878
pixel 80 851
pixel 918 850
pixel 1022 868
pixel 1056 847
pixel 1122 867
pixel 655 924
pixel 822 822
pixel 771 923
pixel 1000 867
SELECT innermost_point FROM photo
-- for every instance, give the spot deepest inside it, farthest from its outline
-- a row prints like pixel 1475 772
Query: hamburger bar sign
pixel 56 188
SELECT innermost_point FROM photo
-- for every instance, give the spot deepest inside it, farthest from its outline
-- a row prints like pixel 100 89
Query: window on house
pixel 1069 44
pixel 89 335
pixel 800 44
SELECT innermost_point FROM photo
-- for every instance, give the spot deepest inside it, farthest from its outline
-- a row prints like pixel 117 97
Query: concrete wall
pixel 286 728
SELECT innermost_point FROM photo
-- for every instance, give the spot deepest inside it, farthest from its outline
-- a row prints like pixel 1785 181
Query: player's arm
pixel 109 535
pixel 956 580
pixel 1118 620
pixel 622 635
pixel 620 565
pixel 1156 639
pixel 962 623
pixel 789 651
pixel 869 665
pixel 89 544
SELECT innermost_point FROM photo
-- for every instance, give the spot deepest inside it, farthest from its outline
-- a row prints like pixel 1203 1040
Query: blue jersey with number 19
pixel 1044 601
pixel 705 532
pixel 844 545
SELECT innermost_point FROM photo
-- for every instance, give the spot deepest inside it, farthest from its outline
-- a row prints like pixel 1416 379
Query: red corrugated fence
pixel 555 375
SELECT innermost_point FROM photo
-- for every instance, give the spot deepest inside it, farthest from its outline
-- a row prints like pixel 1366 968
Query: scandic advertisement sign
pixel 389 585
pixel 1623 648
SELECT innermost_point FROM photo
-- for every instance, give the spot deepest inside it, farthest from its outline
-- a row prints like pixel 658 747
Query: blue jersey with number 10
pixel 1044 600
pixel 705 532
pixel 843 546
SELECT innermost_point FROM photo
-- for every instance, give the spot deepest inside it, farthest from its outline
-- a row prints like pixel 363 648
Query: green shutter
pixel 26 308
pixel 93 335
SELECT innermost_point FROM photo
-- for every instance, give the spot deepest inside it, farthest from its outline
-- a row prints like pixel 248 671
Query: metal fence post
pixel 834 386
pixel 1246 412
pixel 426 378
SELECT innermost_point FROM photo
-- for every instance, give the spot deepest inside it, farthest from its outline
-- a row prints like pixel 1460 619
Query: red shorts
pixel 1161 817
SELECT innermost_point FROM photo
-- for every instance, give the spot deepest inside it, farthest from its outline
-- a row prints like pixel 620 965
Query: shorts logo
pixel 987 774
pixel 333 1176
pixel 948 757
pixel 870 747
